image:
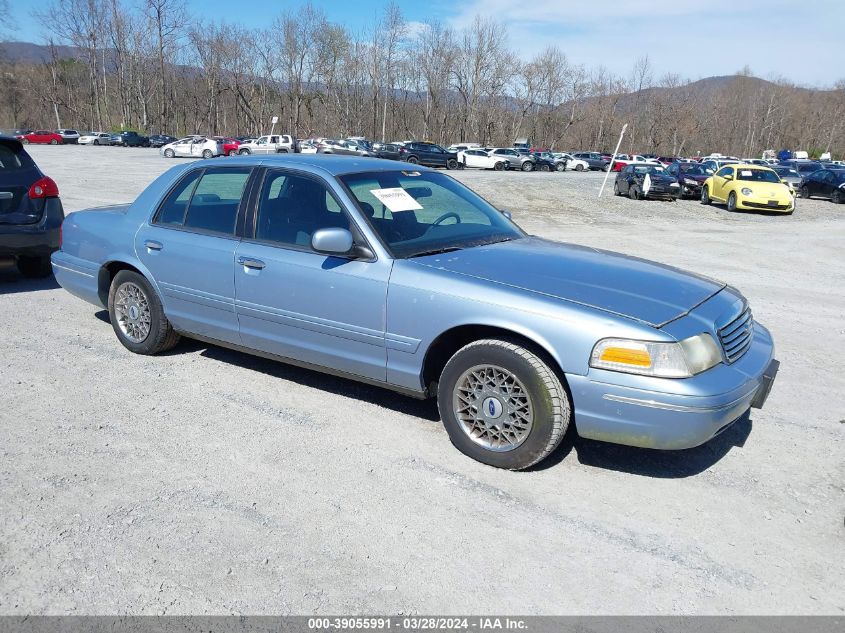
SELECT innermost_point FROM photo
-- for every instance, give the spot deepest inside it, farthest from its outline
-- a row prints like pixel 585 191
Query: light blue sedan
pixel 400 276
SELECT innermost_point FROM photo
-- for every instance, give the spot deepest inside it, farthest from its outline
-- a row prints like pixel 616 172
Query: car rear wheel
pixel 560 167
pixel 732 201
pixel 232 152
pixel 244 152
pixel 805 192
pixel 528 166
pixel 634 193
pixel 33 267
pixel 96 142
pixel 836 197
pixel 705 196
pixel 137 315
pixel 451 164
pixel 207 153
pixel 413 160
pixel 502 404
pixel 579 167
pixel 499 166
pixel 53 141
pixel 169 153
pixel 545 167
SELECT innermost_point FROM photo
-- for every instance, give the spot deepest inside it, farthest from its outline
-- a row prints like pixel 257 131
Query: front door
pixel 189 248
pixel 300 304
pixel 720 180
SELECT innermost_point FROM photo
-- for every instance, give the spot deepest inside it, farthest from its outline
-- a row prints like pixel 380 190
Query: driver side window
pixel 724 172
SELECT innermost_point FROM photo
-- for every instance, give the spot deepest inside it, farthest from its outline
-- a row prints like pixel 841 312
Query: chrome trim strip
pixel 666 406
pixel 72 270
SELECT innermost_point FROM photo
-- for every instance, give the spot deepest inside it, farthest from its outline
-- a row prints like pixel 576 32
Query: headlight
pixel 690 181
pixel 746 191
pixel 665 360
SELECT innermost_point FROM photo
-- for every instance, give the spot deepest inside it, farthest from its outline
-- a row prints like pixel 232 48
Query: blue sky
pixel 801 41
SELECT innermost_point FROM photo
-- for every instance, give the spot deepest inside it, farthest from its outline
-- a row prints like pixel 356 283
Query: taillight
pixel 44 188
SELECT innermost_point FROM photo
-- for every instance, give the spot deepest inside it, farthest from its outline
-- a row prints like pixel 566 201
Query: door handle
pixel 153 245
pixel 249 262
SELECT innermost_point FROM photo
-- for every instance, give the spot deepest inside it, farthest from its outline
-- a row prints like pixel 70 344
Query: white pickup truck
pixel 269 144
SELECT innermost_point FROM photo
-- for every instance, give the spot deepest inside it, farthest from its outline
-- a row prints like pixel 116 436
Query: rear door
pixel 189 247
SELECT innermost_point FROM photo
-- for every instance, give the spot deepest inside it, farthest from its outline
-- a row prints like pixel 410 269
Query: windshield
pixel 807 168
pixel 649 169
pixel 695 170
pixel 417 213
pixel 757 175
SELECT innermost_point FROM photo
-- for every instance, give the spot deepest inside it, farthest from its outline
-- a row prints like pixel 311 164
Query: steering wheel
pixel 446 216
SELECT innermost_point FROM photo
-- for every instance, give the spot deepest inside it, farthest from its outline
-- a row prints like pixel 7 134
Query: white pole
pixel 613 159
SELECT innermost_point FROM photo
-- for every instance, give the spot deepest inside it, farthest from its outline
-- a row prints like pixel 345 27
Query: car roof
pixel 328 164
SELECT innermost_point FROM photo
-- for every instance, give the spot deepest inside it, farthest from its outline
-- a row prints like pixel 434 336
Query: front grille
pixel 760 205
pixel 736 336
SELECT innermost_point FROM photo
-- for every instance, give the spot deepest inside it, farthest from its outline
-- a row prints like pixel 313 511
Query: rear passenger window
pixel 206 200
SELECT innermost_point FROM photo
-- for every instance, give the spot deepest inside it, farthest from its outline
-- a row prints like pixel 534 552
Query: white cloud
pixel 691 38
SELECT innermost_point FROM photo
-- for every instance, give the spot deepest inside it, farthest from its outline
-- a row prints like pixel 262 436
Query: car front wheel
pixel 836 197
pixel 527 166
pixel 502 404
pixel 705 196
pixel 137 315
pixel 732 201
pixel 805 192
pixel 451 164
pixel 169 153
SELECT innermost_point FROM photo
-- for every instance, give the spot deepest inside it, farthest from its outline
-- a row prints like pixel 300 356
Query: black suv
pixel 428 154
pixel 130 139
pixel 31 213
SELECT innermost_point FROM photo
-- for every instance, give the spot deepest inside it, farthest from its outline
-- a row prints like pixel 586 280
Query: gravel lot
pixel 208 481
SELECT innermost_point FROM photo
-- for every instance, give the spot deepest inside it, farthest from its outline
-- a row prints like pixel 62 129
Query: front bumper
pixel 672 414
pixel 34 240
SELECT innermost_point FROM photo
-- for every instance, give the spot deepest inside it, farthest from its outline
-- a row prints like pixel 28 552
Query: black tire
pixel 500 166
pixel 207 153
pixel 233 152
pixel 96 142
pixel 560 167
pixel 805 192
pixel 451 163
pixel 548 399
pixel 705 196
pixel 413 160
pixel 634 192
pixel 53 142
pixel 545 167
pixel 836 197
pixel 606 167
pixel 528 166
pixel 731 204
pixel 579 167
pixel 34 267
pixel 281 151
pixel 244 152
pixel 169 153
pixel 616 191
pixel 161 336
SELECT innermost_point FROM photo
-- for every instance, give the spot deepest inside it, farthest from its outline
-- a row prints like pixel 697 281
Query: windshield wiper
pixel 436 251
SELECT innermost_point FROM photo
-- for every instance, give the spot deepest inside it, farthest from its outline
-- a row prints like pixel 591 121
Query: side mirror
pixel 507 214
pixel 332 241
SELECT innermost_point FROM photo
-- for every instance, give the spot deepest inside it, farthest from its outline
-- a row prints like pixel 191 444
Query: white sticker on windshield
pixel 396 199
pixel 746 173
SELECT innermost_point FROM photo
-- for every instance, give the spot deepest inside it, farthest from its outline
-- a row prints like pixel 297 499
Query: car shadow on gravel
pixel 649 462
pixel 12 282
pixel 425 409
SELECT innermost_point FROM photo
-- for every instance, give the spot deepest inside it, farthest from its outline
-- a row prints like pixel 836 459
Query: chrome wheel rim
pixel 132 309
pixel 493 408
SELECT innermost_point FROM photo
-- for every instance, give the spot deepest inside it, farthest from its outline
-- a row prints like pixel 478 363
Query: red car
pixel 44 137
pixel 230 145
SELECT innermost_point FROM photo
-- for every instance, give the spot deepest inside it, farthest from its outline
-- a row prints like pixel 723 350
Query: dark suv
pixel 428 154
pixel 595 160
pixel 130 139
pixel 31 213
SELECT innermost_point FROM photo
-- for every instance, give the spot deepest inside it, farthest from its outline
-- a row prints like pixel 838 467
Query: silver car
pixel 402 277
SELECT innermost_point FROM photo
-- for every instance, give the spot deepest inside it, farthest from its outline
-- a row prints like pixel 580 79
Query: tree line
pixel 152 66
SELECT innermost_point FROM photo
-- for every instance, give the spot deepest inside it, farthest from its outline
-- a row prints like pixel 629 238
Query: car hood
pixel 695 177
pixel 628 286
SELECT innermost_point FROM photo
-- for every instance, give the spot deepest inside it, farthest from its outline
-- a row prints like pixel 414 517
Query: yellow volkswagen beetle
pixel 748 188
